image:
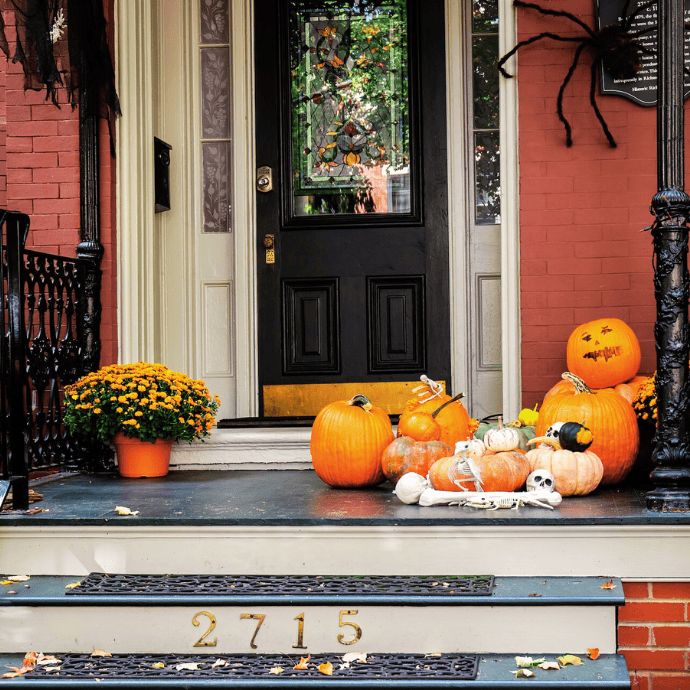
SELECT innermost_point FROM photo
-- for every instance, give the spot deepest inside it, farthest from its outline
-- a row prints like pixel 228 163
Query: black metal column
pixel 670 206
pixel 90 246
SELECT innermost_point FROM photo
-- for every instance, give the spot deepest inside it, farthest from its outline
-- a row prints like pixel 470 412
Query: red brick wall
pixel 581 208
pixel 654 634
pixel 39 164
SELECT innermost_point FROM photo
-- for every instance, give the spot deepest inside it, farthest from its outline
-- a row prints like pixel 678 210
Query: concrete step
pixel 493 672
pixel 520 613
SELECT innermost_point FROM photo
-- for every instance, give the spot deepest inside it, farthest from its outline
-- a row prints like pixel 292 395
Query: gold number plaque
pixel 255 616
pixel 212 620
pixel 342 623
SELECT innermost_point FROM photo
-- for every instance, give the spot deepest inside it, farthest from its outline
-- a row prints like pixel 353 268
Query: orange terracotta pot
pixel 137 458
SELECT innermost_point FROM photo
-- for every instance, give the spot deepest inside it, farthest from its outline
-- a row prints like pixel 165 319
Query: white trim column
pixel 136 272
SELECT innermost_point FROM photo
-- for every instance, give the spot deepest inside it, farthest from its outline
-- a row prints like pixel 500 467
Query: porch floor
pixel 296 497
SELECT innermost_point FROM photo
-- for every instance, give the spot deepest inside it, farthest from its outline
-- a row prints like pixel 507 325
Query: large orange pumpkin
pixel 407 455
pixel 603 353
pixel 504 471
pixel 453 418
pixel 610 417
pixel 347 441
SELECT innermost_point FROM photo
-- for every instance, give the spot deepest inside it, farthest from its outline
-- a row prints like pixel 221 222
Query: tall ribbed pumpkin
pixel 347 441
pixel 453 418
pixel 603 353
pixel 610 417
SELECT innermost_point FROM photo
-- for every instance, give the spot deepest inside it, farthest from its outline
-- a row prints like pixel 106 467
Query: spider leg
pixel 597 112
pixel 559 100
pixel 554 13
pixel 527 42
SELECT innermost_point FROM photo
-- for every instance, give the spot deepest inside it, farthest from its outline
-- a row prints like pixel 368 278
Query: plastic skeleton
pixel 413 488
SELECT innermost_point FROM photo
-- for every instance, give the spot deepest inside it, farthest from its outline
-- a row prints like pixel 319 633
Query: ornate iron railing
pixel 47 319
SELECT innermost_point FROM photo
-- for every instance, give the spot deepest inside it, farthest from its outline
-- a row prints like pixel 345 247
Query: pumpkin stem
pixel 361 401
pixel 448 402
pixel 580 385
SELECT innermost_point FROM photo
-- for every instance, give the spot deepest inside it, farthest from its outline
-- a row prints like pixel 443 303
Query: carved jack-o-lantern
pixel 603 353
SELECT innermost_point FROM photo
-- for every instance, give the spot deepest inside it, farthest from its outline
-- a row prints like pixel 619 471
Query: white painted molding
pixel 246 449
pixel 136 244
pixel 244 211
pixel 458 207
pixel 510 225
pixel 644 552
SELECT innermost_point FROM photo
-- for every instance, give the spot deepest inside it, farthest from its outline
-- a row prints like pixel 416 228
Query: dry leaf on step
pixel 122 510
pixel 302 663
pixel 158 664
pixel 355 656
pixel 72 585
pixel 609 585
pixel 593 653
pixel 276 670
pixel 523 673
pixel 326 669
pixel 100 652
pixel 570 659
pixel 189 666
pixel 550 666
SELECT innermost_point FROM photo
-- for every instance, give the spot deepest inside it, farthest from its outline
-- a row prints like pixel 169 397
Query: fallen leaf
pixel 276 670
pixel 122 510
pixel 51 668
pixel 190 666
pixel 609 585
pixel 527 661
pixel 570 659
pixel 593 653
pixel 72 585
pixel 219 662
pixel 326 669
pixel 99 653
pixel 302 663
pixel 355 656
pixel 158 664
pixel 434 654
pixel 42 659
pixel 28 665
pixel 11 591
pixel 33 511
pixel 6 582
pixel 18 578
pixel 550 666
pixel 523 673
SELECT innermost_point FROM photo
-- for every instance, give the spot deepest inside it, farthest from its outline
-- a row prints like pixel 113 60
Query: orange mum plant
pixel 146 401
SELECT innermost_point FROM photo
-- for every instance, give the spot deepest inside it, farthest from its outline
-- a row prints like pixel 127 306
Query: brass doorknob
pixel 268 241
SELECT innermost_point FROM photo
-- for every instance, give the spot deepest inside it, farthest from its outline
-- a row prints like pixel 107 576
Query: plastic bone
pixel 491 500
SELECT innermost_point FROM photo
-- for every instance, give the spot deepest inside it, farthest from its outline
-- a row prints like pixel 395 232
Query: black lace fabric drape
pixel 62 46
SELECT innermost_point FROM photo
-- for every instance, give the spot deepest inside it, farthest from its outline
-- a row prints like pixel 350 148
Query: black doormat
pixel 264 667
pixel 286 585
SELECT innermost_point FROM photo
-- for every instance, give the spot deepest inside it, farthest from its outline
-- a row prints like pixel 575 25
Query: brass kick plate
pixel 307 399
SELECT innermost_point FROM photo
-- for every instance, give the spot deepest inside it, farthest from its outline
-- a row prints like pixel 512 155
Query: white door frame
pixel 141 300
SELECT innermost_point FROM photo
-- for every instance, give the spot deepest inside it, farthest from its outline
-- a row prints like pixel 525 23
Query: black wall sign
pixel 642 88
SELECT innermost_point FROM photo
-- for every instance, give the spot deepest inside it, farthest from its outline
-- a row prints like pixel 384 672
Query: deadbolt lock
pixel 264 179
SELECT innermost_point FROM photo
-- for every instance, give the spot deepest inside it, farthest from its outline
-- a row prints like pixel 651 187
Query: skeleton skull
pixel 552 431
pixel 541 480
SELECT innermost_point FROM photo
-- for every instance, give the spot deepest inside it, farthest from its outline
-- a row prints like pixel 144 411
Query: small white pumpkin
pixel 502 439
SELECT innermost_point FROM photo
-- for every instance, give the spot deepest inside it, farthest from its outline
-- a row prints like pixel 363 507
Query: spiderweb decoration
pixel 61 45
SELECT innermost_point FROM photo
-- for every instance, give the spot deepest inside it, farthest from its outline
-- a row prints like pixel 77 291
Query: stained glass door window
pixel 350 117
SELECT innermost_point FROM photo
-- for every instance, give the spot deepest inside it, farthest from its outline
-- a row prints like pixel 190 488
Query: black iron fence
pixel 49 343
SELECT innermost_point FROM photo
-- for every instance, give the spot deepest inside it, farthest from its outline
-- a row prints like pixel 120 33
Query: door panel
pixel 358 291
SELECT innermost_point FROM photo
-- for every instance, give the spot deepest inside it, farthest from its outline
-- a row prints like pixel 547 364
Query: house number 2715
pixel 353 635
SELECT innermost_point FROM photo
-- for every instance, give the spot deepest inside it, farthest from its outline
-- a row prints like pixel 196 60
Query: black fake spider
pixel 615 47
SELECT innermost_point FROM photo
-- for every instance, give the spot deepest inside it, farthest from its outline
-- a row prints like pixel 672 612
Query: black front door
pixel 351 198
